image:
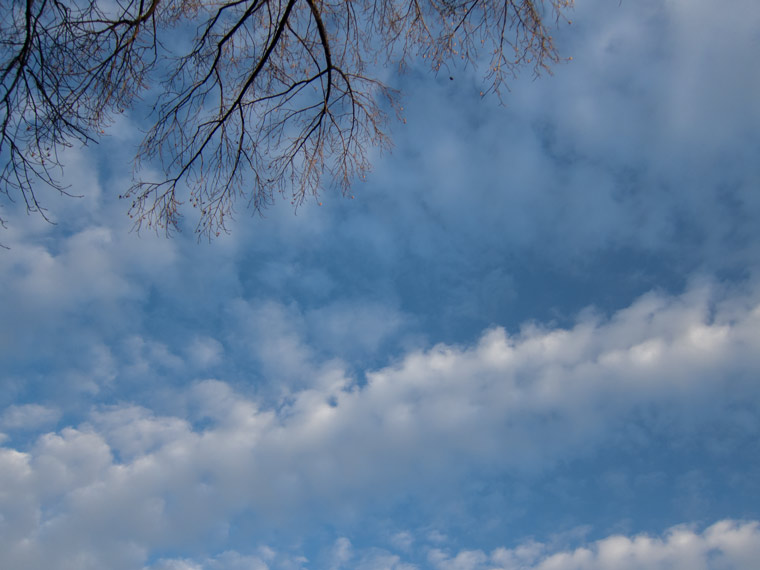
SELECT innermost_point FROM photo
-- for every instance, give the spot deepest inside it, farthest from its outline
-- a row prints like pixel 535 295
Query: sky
pixel 531 341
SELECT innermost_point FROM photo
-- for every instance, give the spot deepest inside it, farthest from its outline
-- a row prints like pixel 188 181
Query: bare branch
pixel 271 97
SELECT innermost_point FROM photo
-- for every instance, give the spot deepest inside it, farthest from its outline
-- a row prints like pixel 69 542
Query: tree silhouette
pixel 250 98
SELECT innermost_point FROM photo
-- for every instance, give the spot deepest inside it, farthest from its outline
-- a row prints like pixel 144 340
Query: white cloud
pixel 232 560
pixel 341 553
pixel 402 540
pixel 205 352
pixel 130 480
pixel 378 559
pixel 464 560
pixel 725 545
pixel 646 140
pixel 176 564
pixel 359 327
pixel 29 416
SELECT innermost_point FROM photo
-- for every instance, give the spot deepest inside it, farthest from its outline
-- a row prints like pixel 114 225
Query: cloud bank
pixel 127 481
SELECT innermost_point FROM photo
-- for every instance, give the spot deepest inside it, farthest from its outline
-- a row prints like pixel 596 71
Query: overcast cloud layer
pixel 531 341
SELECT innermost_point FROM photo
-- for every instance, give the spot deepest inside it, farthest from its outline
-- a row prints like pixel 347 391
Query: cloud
pixel 265 558
pixel 342 553
pixel 29 416
pixel 725 545
pixel 131 480
pixel 205 352
pixel 402 540
pixel 631 166
pixel 464 560
pixel 643 142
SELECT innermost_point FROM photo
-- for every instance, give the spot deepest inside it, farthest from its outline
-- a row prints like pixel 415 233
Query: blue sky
pixel 531 340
